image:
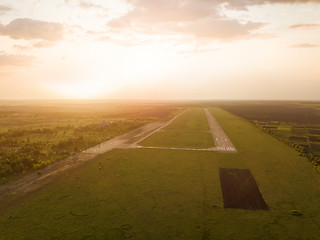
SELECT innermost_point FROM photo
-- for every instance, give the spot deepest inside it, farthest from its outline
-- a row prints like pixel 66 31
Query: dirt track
pixel 33 181
pixel 158 129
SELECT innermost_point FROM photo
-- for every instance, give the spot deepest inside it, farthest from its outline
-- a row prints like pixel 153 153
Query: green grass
pixel 192 120
pixel 179 139
pixel 282 133
pixel 284 127
pixel 187 131
pixel 172 194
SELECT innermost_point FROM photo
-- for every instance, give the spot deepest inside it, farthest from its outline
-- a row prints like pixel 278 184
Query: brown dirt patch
pixel 240 190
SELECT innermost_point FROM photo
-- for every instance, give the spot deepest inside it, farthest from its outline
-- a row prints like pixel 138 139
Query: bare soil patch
pixel 240 190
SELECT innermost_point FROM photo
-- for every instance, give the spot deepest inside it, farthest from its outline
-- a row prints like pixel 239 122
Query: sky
pixel 160 49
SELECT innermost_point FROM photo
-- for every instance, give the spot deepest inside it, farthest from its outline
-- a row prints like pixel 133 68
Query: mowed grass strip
pixel 179 139
pixel 187 131
pixel 193 120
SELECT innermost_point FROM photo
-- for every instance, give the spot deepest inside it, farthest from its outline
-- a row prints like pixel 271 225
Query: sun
pixel 88 89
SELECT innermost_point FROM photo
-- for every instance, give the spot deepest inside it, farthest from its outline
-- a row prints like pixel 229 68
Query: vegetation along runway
pixel 158 193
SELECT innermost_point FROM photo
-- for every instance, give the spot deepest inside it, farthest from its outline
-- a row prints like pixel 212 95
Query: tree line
pixel 20 154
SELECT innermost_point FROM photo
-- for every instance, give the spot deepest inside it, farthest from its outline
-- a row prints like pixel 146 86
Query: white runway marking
pixel 220 138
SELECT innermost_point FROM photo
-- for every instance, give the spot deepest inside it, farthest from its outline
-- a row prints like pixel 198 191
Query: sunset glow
pixel 83 90
pixel 218 49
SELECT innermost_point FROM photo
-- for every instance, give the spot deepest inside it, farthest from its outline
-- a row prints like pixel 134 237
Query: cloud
pixel 22 47
pixel 43 44
pixel 305 45
pixel 200 19
pixel 167 11
pixel 37 44
pixel 305 25
pixel 243 4
pixel 128 42
pixel 86 4
pixel 15 60
pixel 28 29
pixel 4 9
pixel 219 29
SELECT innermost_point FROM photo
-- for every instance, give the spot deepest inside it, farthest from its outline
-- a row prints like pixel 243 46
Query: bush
pixel 3 180
pixel 36 166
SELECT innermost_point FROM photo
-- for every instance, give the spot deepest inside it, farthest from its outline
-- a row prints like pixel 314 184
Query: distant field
pixel 296 121
pixel 179 139
pixel 192 120
pixel 172 194
pixel 34 114
pixel 190 130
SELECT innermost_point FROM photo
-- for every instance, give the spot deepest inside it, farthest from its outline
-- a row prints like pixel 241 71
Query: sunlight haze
pixel 170 49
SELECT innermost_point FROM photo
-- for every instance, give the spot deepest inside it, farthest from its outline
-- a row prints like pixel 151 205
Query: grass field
pixel 174 194
pixel 179 139
pixel 190 130
pixel 192 120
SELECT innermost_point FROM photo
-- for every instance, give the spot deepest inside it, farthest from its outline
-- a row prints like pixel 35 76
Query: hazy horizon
pixel 160 50
pixel 147 100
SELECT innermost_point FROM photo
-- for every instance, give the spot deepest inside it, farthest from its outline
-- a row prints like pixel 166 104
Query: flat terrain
pixel 240 190
pixel 179 139
pixel 298 122
pixel 16 189
pixel 36 134
pixel 192 120
pixel 168 194
pixel 220 138
pixel 151 133
pixel 189 130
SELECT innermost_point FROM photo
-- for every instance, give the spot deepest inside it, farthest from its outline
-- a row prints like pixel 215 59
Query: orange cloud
pixel 243 4
pixel 305 45
pixel 86 4
pixel 28 29
pixel 43 44
pixel 22 47
pixel 4 9
pixel 15 60
pixel 219 29
pixel 305 25
pixel 198 18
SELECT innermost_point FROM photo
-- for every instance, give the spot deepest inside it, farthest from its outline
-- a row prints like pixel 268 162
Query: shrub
pixel 3 180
